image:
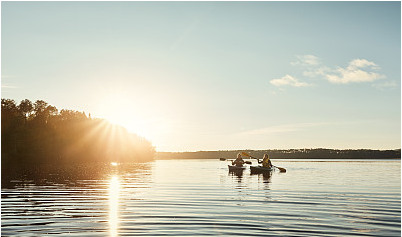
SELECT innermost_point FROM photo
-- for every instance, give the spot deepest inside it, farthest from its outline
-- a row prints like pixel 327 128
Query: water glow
pixel 114 190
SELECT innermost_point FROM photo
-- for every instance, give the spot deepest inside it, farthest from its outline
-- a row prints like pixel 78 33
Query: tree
pixel 50 111
pixel 48 136
pixel 26 108
pixel 10 115
pixel 11 125
pixel 8 105
pixel 40 107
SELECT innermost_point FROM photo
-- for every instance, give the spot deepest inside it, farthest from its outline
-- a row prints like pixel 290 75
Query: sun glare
pixel 114 190
pixel 121 111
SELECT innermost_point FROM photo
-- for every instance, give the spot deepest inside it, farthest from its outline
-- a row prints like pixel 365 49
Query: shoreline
pixel 318 153
pixel 373 158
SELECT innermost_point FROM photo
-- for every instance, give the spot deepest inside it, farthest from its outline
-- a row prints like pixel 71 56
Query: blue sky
pixel 215 75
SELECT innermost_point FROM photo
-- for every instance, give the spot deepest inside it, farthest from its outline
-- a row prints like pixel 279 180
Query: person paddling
pixel 266 162
pixel 239 161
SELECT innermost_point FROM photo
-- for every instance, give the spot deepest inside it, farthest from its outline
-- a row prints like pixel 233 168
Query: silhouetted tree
pixel 39 133
pixel 26 107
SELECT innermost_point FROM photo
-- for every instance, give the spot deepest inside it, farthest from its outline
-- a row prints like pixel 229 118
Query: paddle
pixel 246 162
pixel 280 168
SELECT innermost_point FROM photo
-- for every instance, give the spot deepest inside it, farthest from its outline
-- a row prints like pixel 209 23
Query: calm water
pixel 200 197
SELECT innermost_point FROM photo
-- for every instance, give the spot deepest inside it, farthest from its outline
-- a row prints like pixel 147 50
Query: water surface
pixel 200 197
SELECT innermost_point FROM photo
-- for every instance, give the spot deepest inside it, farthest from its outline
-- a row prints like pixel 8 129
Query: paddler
pixel 266 162
pixel 239 161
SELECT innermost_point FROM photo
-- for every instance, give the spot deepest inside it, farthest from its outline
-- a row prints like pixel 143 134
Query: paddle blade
pixel 281 169
pixel 245 154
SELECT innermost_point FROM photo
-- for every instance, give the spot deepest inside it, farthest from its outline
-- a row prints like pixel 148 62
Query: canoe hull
pixel 260 169
pixel 233 168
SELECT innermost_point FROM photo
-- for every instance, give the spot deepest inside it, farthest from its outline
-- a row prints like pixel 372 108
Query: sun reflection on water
pixel 114 190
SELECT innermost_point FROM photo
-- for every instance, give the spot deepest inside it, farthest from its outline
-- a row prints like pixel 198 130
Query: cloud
pixel 6 76
pixel 8 86
pixel 358 70
pixel 385 85
pixel 361 63
pixel 348 76
pixel 318 71
pixel 306 60
pixel 287 81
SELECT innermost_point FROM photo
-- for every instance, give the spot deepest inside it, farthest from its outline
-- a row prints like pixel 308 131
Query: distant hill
pixel 318 153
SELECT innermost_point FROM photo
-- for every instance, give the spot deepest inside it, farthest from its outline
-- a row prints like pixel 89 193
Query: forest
pixel 317 153
pixel 37 133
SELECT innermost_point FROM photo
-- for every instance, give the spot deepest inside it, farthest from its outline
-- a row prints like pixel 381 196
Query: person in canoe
pixel 239 161
pixel 266 162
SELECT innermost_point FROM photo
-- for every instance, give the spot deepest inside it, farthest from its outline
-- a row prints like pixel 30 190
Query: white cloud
pixel 361 63
pixel 287 81
pixel 306 60
pixel 314 72
pixel 358 70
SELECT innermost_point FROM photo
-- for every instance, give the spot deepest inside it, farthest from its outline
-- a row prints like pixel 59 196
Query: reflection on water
pixel 237 175
pixel 265 177
pixel 114 191
pixel 200 197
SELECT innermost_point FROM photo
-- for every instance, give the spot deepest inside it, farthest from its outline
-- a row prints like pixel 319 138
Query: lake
pixel 200 197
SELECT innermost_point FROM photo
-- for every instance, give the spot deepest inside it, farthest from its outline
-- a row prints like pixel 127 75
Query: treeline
pixel 36 132
pixel 318 153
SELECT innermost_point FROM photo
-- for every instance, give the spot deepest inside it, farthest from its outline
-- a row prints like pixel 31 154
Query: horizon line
pixel 286 149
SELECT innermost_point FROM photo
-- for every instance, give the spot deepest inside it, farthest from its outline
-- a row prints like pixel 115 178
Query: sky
pixel 193 76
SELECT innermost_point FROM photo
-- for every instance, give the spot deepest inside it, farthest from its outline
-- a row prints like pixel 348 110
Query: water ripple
pixel 146 200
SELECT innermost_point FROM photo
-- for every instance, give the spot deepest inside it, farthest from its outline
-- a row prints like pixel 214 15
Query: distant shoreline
pixel 231 158
pixel 319 153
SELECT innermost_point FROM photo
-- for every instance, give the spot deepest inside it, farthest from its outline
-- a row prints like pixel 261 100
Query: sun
pixel 123 111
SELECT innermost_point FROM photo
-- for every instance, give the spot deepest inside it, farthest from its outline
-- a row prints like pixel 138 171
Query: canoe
pixel 260 169
pixel 233 168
